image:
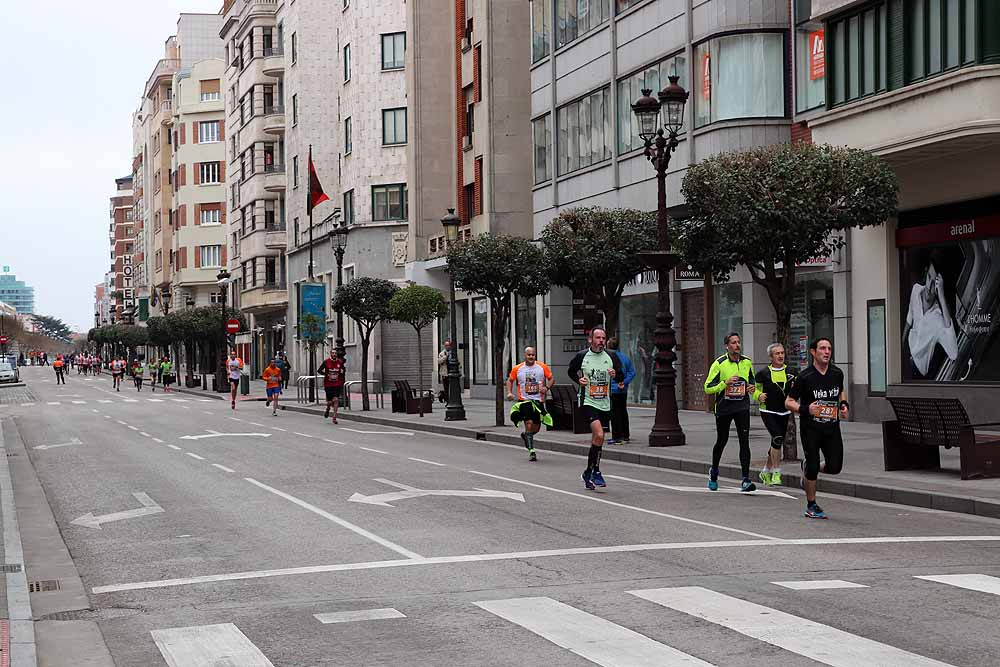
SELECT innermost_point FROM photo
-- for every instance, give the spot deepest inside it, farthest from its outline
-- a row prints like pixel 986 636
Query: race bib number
pixel 829 411
pixel 736 391
pixel 531 387
pixel 598 391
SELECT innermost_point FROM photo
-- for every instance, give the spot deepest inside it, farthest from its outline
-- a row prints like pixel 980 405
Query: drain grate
pixel 10 567
pixel 44 586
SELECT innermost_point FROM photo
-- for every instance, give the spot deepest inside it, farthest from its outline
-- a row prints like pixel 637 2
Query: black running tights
pixel 722 424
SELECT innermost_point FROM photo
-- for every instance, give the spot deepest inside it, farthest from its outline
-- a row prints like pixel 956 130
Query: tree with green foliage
pixel 594 251
pixel 418 306
pixel 772 208
pixel 498 267
pixel 366 301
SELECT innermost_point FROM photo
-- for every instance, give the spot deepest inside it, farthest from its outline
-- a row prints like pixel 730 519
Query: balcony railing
pixel 274 109
pixel 164 67
pixel 275 226
pixel 273 51
pixel 274 168
pixel 166 106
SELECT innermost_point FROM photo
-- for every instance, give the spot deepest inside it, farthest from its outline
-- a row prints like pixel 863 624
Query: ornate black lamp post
pixel 165 302
pixel 338 242
pixel 454 410
pixel 220 382
pixel 666 427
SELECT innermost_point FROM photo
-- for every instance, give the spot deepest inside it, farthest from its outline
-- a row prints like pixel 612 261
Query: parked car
pixel 8 372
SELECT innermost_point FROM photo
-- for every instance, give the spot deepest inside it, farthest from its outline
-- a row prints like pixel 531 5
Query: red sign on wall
pixel 706 77
pixel 817 55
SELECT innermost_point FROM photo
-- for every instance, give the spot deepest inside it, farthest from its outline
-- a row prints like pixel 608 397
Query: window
pixel 210 90
pixel 215 298
pixel 574 18
pixel 857 47
pixel 348 139
pixel 542 131
pixel 211 216
pixel 208 131
pixel 740 76
pixel 393 50
pixel 541 23
pixel 622 5
pixel 270 271
pixel 211 256
pixel 810 66
pixel 347 62
pixel 235 195
pixel 295 48
pixel 584 130
pixel 389 202
pixel 208 172
pixel 295 171
pixel 295 231
pixel 630 89
pixel 941 36
pixel 728 312
pixel 349 207
pixel 394 126
pixel 876 348
pixel 295 109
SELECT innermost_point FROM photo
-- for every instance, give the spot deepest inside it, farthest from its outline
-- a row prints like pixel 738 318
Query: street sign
pixel 3 340
pixel 687 273
pixel 233 326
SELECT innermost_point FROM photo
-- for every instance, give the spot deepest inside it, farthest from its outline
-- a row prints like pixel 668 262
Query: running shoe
pixel 274 413
pixel 814 511
pixel 614 442
pixel 713 477
pixel 775 479
pixel 334 421
pixel 531 455
pixel 267 402
pixel 598 478
pixel 746 486
pixel 234 405
pixel 587 482
pixel 765 477
pixel 327 413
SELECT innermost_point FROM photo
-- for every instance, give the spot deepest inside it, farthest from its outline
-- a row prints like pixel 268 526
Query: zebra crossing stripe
pixel 983 583
pixel 590 637
pixel 819 642
pixel 208 646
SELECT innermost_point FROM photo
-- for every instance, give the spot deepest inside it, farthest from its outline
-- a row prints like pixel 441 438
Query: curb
pixel 842 487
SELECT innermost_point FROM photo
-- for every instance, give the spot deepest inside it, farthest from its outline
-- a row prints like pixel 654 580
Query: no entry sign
pixel 232 326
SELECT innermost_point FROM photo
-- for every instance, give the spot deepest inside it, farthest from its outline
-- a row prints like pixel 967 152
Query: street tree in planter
pixel 497 267
pixel 418 306
pixel 595 251
pixel 772 208
pixel 366 301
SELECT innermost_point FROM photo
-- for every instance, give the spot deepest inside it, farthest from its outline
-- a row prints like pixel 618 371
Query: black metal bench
pixel 922 425
pixel 404 398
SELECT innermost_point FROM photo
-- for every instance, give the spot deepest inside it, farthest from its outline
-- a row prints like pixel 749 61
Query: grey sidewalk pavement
pixel 863 475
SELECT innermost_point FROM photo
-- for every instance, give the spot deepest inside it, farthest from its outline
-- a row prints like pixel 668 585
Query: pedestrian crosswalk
pixel 609 644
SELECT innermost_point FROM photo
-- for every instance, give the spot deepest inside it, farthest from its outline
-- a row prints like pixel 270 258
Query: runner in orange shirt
pixel 272 376
pixel 532 379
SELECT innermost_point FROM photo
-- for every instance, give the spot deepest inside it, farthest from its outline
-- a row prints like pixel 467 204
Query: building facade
pixel 121 234
pixel 16 293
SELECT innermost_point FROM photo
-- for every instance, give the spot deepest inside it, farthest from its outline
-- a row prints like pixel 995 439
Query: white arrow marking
pixel 149 506
pixel 217 434
pixel 73 441
pixel 384 499
pixel 702 489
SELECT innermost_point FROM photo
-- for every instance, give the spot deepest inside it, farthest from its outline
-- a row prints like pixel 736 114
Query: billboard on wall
pixel 950 301
pixel 312 301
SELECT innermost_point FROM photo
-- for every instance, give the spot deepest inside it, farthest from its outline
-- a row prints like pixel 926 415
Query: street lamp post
pixel 667 430
pixel 165 301
pixel 338 242
pixel 454 410
pixel 223 282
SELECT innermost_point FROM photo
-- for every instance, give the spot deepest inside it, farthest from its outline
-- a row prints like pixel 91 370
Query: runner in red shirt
pixel 332 370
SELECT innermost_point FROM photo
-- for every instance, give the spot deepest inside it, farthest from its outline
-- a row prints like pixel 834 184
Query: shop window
pixel 635 340
pixel 525 325
pixel 481 342
pixel 740 76
pixel 876 348
pixel 812 315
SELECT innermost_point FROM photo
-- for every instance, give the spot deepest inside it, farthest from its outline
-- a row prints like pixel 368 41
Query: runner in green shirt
pixel 167 373
pixel 151 368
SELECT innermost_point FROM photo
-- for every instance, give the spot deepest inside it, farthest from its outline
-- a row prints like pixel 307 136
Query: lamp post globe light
pixel 223 282
pixel 666 430
pixel 165 300
pixel 454 410
pixel 338 243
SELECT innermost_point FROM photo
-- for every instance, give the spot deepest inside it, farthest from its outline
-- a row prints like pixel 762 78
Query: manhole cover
pixel 104 614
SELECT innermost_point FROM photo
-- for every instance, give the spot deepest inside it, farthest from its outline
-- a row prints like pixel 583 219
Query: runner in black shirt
pixel 819 397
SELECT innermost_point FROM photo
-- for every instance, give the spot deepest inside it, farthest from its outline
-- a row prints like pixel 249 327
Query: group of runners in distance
pixel 816 394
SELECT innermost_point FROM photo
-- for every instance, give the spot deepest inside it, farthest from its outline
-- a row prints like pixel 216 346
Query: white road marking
pixel 216 434
pixel 144 434
pixel 157 440
pixel 155 400
pixel 180 400
pixel 433 463
pixel 337 520
pixel 149 506
pixel 384 499
pixel 121 422
pixel 338 442
pixel 208 646
pixel 354 430
pixel 204 400
pixel 237 419
pixel 303 435
pixel 195 456
pixel 360 615
pixel 78 402
pixel 72 441
pixel 55 403
pixel 104 400
pixel 222 467
pixel 206 412
pixel 256 424
pixel 26 405
pixel 278 428
pixel 369 449
pixel 107 416
pixel 818 585
pixel 631 507
pixel 132 427
pixel 973 582
pixel 822 643
pixel 518 555
pixel 591 637
pixel 704 489
pixel 130 400
pixel 174 447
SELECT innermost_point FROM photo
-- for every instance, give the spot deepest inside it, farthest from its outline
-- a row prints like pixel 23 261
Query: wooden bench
pixel 404 398
pixel 563 403
pixel 922 425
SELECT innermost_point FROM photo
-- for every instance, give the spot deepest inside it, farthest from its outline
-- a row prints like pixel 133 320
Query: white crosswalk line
pixel 54 403
pixel 818 585
pixel 130 400
pixel 983 583
pixel 591 637
pixel 819 642
pixel 208 646
pixel 155 400
pixel 359 615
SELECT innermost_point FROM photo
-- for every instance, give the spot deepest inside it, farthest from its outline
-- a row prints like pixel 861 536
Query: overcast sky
pixel 78 69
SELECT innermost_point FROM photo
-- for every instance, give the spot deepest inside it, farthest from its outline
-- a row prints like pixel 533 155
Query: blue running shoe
pixel 597 478
pixel 713 477
pixel 587 482
pixel 747 486
pixel 814 511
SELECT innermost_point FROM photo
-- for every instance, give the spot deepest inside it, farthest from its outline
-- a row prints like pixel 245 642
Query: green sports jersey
pixel 596 367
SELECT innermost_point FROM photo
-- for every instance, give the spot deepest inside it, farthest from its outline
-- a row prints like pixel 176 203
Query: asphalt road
pixel 289 541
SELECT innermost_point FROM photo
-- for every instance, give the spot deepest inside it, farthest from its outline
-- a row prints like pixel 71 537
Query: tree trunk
pixel 365 405
pixel 500 320
pixel 420 370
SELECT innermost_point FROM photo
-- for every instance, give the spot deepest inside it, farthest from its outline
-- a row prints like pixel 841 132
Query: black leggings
pixel 722 424
pixel 828 441
pixel 777 426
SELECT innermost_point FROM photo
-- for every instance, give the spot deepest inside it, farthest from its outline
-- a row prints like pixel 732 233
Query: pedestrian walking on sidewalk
pixel 234 369
pixel 773 383
pixel 286 370
pixel 819 397
pixel 442 366
pixel 532 379
pixel 593 370
pixel 60 368
pixel 619 397
pixel 731 378
pixel 273 380
pixel 332 370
